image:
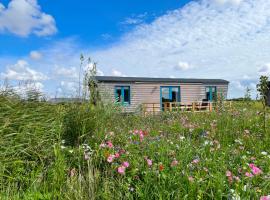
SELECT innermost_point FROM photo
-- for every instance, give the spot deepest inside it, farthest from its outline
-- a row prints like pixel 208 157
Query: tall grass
pixel 61 152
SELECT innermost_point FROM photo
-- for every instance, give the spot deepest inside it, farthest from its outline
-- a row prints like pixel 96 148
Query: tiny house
pixel 133 92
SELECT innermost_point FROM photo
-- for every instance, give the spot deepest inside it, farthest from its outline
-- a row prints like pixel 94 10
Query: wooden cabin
pixel 157 94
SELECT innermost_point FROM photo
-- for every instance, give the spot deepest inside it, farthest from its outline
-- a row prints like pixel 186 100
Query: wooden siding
pixel 150 92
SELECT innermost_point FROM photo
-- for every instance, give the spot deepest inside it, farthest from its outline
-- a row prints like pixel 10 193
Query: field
pixel 76 151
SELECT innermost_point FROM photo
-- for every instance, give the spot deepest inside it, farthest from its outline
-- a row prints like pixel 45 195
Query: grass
pixel 63 152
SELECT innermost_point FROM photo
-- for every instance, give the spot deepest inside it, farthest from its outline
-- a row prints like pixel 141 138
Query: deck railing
pixel 183 106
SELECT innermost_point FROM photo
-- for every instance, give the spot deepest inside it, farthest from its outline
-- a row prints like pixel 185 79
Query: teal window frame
pixel 211 92
pixel 122 94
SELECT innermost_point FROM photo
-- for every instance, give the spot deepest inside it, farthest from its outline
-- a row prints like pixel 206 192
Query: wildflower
pixel 121 170
pixel 117 155
pixel 161 167
pixel 255 170
pixel 86 156
pixel 109 144
pixel 102 145
pixel 264 153
pixel 230 176
pixel 72 172
pixel 182 138
pixel 174 163
pixel 265 197
pixel 236 178
pixel 110 158
pixel 247 174
pixel 125 164
pixel 191 179
pixel 149 162
pixel 195 161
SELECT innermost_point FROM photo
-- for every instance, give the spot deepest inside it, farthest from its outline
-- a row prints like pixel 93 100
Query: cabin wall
pixel 150 93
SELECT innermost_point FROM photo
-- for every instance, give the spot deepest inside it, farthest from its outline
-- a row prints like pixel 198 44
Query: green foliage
pixel 78 123
pixel 36 164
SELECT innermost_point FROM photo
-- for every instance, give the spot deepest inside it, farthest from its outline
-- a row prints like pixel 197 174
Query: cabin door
pixel 169 94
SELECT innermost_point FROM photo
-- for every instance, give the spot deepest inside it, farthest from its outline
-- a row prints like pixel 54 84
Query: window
pixel 211 93
pixel 122 94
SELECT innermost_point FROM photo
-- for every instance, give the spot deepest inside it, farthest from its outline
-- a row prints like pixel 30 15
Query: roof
pixel 159 80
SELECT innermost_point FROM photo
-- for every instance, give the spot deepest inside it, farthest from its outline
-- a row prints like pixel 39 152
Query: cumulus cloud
pixel 117 73
pixel 23 17
pixel 183 66
pixel 35 55
pixel 21 71
pixel 265 70
pixel 64 72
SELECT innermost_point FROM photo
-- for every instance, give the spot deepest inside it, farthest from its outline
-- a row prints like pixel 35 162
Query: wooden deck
pixel 153 108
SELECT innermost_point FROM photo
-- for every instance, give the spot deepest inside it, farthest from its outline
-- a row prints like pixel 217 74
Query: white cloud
pixel 64 72
pixel 21 71
pixel 183 66
pixel 117 73
pixel 135 19
pixel 265 70
pixel 23 17
pixel 230 2
pixel 35 55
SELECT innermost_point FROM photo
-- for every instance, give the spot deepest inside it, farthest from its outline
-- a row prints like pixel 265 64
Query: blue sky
pixel 42 40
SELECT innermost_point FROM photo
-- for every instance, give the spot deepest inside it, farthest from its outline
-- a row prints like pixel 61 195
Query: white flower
pixel 264 153
pixel 182 137
pixel 62 147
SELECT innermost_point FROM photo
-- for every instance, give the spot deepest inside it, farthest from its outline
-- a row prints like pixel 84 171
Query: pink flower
pixel 228 173
pixel 236 178
pixel 265 197
pixel 191 179
pixel 125 164
pixel 121 170
pixel 110 144
pixel 102 145
pixel 149 162
pixel 141 137
pixel 247 174
pixel 136 132
pixel 256 170
pixel 110 158
pixel 195 161
pixel 174 163
pixel 86 156
pixel 117 155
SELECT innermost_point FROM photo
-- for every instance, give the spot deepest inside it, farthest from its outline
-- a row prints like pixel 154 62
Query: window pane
pixel 213 89
pixel 118 94
pixel 165 94
pixel 207 89
pixel 175 92
pixel 126 94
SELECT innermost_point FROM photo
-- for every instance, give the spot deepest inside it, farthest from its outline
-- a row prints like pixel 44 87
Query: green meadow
pixel 77 151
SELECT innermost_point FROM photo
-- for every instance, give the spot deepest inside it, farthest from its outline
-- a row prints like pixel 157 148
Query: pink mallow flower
pixel 247 174
pixel 265 197
pixel 110 158
pixel 174 163
pixel 125 164
pixel 117 155
pixel 149 162
pixel 121 170
pixel 195 161
pixel 255 170
pixel 110 144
